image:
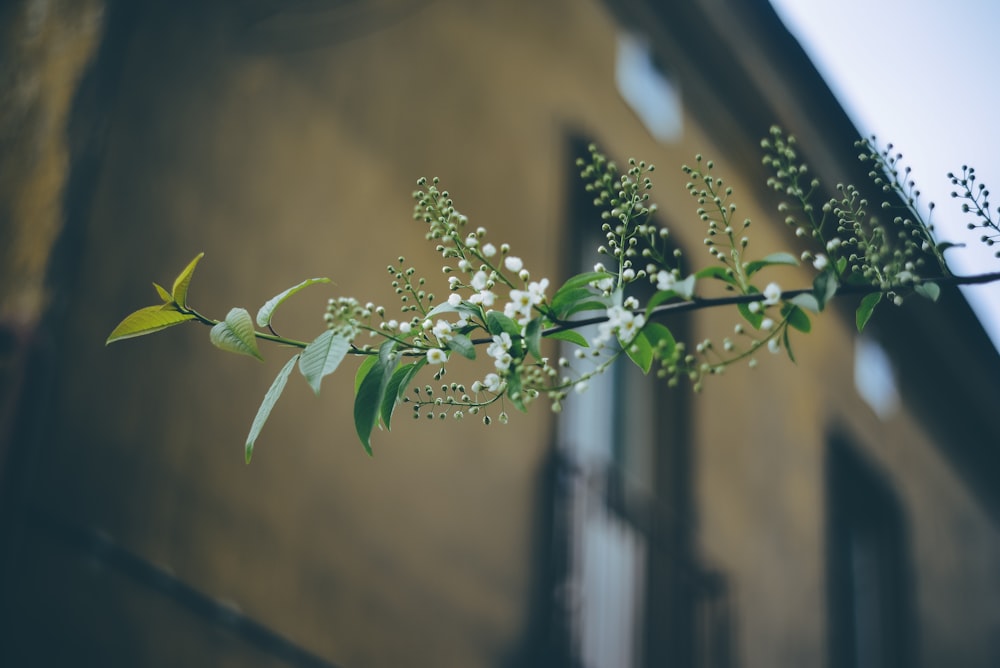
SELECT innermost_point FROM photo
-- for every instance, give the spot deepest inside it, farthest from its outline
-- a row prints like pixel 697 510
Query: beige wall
pixel 284 153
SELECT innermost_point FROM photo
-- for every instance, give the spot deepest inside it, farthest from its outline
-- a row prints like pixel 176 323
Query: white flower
pixel 605 284
pixel 442 330
pixel 464 265
pixel 753 307
pixel 492 382
pixel 479 281
pixel 631 303
pixel 820 262
pixel 772 294
pixel 773 346
pixel 630 327
pixel 499 351
pixel 471 241
pixel 665 280
pixel 436 356
pixel 767 324
pixel 833 244
pixel 580 387
pixel 522 301
pixel 454 299
pixel 513 263
pixel 405 327
pixel 484 297
pixel 489 250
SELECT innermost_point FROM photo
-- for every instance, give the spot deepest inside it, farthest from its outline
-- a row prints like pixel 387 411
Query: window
pixel 868 569
pixel 628 586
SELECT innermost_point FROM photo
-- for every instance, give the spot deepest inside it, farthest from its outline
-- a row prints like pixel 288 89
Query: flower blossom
pixel 622 322
pixel 513 263
pixel 499 350
pixel 492 383
pixel 772 294
pixel 522 301
pixel 483 297
pixel 479 281
pixel 442 330
pixel 436 356
pixel 665 280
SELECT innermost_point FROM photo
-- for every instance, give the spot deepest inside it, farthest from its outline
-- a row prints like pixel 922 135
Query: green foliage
pixel 236 334
pixel 369 404
pixel 266 311
pixel 322 357
pixel 547 345
pixel 264 412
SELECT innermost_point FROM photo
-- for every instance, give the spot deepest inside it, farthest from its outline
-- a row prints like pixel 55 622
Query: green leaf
pixel 164 295
pixel 788 346
pixel 717 272
pixel 270 398
pixel 146 321
pixel 394 391
pixel 514 390
pixel 565 299
pixel 772 259
pixel 797 318
pixel 755 319
pixel 865 309
pixel 685 288
pixel 236 334
pixel 533 337
pixel 660 338
pixel 824 288
pixel 928 290
pixel 658 298
pixel 371 393
pixel 582 280
pixel 640 351
pixel 363 369
pixel 571 336
pixel 267 310
pixel 183 280
pixel 462 345
pixel 322 357
pixel 806 301
pixel 464 308
pixel 497 323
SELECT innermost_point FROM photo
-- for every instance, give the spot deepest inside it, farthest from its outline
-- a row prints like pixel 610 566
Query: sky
pixel 921 74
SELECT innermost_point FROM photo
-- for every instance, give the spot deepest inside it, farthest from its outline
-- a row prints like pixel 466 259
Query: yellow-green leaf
pixel 183 280
pixel 146 321
pixel 236 334
pixel 162 291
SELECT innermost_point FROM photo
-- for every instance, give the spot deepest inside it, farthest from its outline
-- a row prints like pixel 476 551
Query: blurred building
pixel 838 512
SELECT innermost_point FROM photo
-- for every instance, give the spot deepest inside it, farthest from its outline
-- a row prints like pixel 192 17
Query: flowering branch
pixel 493 301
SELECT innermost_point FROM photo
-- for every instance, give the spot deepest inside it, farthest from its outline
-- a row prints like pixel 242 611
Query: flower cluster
pixel 872 240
